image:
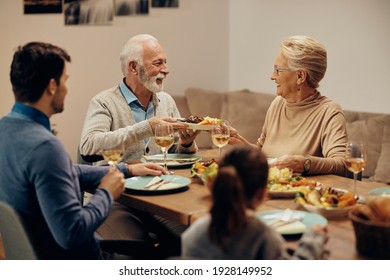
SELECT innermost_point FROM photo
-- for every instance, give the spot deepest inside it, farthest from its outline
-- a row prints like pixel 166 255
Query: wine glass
pixel 220 135
pixel 113 152
pixel 355 159
pixel 164 138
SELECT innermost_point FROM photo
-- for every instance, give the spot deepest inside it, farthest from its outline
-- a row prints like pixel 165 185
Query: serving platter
pixel 196 126
pixel 173 160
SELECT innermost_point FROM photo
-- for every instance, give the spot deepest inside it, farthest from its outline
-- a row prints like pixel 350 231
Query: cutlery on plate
pixel 148 187
pixel 161 184
pixel 157 184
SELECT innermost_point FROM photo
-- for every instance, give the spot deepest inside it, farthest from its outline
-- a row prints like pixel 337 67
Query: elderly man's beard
pixel 150 82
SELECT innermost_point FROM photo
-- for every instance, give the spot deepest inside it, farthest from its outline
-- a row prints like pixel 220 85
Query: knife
pixel 154 184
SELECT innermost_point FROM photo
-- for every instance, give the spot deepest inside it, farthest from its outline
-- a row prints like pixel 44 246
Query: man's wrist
pixel 129 170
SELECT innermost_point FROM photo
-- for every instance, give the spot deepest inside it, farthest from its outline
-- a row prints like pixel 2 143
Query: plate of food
pixel 282 183
pixel 199 123
pixel 151 185
pixel 173 160
pixel 327 201
pixel 297 222
pixel 204 170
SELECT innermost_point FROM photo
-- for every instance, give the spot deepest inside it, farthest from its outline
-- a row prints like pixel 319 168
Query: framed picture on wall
pixel 88 12
pixel 165 3
pixel 42 6
pixel 131 7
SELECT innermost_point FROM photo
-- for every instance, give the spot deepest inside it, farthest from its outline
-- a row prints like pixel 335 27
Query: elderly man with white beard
pixel 129 112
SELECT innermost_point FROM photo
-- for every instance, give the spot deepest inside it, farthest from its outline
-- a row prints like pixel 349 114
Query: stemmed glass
pixel 220 135
pixel 355 159
pixel 164 138
pixel 113 152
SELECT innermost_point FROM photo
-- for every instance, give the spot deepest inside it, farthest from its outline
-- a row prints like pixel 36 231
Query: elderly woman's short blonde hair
pixel 303 52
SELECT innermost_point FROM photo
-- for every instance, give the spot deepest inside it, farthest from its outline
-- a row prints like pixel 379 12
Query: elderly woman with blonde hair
pixel 303 130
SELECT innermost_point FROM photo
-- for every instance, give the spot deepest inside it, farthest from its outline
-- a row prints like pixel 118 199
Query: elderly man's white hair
pixel 133 50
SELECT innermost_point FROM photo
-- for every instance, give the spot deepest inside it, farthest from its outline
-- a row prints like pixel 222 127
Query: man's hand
pixel 176 126
pixel 114 182
pixel 187 137
pixel 143 169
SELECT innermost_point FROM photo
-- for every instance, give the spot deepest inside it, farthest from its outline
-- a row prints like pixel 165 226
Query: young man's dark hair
pixel 33 65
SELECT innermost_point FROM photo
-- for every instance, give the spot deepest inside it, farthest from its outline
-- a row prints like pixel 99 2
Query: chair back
pixel 17 244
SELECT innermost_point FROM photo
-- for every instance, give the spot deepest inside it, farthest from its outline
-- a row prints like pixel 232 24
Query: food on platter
pixel 276 174
pixel 326 197
pixel 205 170
pixel 329 202
pixel 201 120
pixel 192 119
pixel 282 182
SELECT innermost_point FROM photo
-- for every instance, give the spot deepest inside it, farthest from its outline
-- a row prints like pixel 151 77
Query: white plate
pixel 379 192
pixel 196 126
pixel 137 184
pixel 309 220
pixel 329 212
pixel 173 160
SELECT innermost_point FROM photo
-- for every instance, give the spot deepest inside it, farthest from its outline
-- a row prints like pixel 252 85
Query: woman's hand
pixel 237 139
pixel 294 162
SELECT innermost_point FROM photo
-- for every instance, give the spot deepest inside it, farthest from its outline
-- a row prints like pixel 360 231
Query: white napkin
pixel 291 228
pixel 168 186
pixel 154 180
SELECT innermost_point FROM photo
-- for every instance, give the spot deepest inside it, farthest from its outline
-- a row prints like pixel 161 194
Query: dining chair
pixel 89 160
pixel 16 240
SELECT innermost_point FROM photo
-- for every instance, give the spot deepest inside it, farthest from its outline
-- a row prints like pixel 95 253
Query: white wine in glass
pixel 164 138
pixel 355 159
pixel 220 135
pixel 113 153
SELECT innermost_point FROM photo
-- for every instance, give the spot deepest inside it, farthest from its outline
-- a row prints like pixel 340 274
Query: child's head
pixel 240 184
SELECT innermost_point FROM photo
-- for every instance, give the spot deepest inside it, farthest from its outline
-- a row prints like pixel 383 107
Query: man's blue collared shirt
pixel 22 111
pixel 140 113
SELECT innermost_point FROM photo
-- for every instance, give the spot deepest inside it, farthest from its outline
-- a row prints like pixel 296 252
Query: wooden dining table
pixel 186 206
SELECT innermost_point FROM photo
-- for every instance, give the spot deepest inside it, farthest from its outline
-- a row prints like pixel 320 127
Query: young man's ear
pixel 52 86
